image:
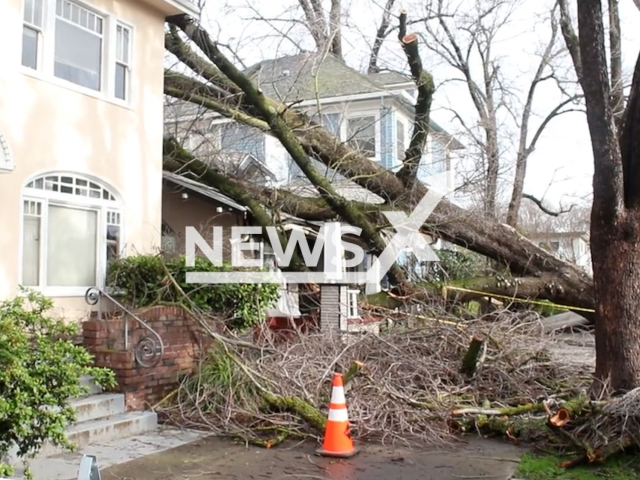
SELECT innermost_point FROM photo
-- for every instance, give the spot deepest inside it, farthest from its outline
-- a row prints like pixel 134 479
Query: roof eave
pixel 176 7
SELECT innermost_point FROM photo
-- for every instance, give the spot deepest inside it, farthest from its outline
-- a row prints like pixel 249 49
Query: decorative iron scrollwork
pixel 92 296
pixel 147 352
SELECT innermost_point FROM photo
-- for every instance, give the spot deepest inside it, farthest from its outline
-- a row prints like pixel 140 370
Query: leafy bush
pixel 144 281
pixel 41 370
pixel 457 265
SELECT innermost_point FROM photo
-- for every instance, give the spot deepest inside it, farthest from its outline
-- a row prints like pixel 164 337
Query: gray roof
pixel 390 78
pixel 202 189
pixel 310 75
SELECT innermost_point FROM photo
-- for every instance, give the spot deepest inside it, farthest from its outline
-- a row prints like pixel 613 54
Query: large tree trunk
pixel 617 286
pixel 615 217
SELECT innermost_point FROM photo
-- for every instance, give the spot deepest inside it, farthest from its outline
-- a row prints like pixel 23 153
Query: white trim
pixel 185 6
pixel 352 304
pixel 406 141
pixel 346 98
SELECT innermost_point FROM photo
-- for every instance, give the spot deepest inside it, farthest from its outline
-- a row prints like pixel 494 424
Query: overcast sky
pixel 561 166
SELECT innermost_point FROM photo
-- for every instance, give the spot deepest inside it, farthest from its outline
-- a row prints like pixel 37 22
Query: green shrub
pixel 144 282
pixel 458 264
pixel 41 370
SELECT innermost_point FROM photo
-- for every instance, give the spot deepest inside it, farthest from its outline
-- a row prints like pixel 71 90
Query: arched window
pixel 72 227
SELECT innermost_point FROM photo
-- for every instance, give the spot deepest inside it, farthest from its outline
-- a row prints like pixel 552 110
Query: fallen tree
pixel 547 276
pixel 405 385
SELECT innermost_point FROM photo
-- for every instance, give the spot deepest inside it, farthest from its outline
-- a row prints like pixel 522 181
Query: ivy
pixel 143 281
pixel 41 371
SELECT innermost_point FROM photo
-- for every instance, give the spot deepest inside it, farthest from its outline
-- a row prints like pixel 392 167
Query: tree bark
pixel 424 83
pixel 335 27
pixel 615 217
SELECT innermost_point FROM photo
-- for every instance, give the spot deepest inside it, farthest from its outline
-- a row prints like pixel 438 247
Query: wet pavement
pixel 213 458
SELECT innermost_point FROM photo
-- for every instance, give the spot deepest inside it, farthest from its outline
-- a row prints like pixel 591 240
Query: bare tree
pixel 466 41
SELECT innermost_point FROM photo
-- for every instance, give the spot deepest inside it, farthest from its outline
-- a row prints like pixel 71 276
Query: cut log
pixel 561 418
pixel 473 356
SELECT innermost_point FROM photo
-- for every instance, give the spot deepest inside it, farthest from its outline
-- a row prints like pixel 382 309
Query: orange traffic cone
pixel 337 441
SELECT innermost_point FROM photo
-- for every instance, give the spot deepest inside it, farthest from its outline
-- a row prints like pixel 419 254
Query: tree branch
pixel 424 81
pixel 335 30
pixel 543 208
pixel 608 189
pixel 381 34
pixel 570 38
pixel 615 51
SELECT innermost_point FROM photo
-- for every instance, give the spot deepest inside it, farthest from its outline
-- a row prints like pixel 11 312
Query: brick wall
pixel 183 344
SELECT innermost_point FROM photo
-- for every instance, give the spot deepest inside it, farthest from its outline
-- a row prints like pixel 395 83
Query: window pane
pixel 125 45
pixel 121 81
pixel 122 44
pixel 113 242
pixel 29 48
pixel 37 12
pixel 31 252
pixel 362 135
pixel 71 247
pixel 78 55
pixel 28 10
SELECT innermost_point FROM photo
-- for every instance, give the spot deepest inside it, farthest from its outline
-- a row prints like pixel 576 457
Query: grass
pixel 545 467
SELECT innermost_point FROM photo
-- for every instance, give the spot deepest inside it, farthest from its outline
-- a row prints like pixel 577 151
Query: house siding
pixel 241 138
pixel 387 138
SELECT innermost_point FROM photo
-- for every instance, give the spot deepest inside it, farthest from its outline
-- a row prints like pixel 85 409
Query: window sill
pixel 29 72
pixel 7 168
pixel 58 292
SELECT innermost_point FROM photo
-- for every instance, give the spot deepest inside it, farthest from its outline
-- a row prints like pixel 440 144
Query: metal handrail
pixel 145 345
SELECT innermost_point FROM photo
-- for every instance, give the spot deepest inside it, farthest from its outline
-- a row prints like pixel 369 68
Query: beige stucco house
pixel 81 109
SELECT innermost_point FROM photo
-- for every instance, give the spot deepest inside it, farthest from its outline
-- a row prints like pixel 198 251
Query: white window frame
pixel 117 61
pixel 101 206
pixel 39 29
pixel 352 304
pixel 344 129
pixel 407 140
pixel 46 54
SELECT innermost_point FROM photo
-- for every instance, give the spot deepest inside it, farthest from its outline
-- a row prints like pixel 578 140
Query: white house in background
pixel 570 246
pixel 374 113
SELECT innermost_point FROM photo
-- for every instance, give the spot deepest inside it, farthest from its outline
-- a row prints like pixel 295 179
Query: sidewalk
pixel 213 458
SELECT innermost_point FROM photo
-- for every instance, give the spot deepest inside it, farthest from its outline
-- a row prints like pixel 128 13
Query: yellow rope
pixel 535 302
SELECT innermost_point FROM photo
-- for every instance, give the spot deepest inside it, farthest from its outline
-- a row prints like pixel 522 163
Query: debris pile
pixel 414 385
